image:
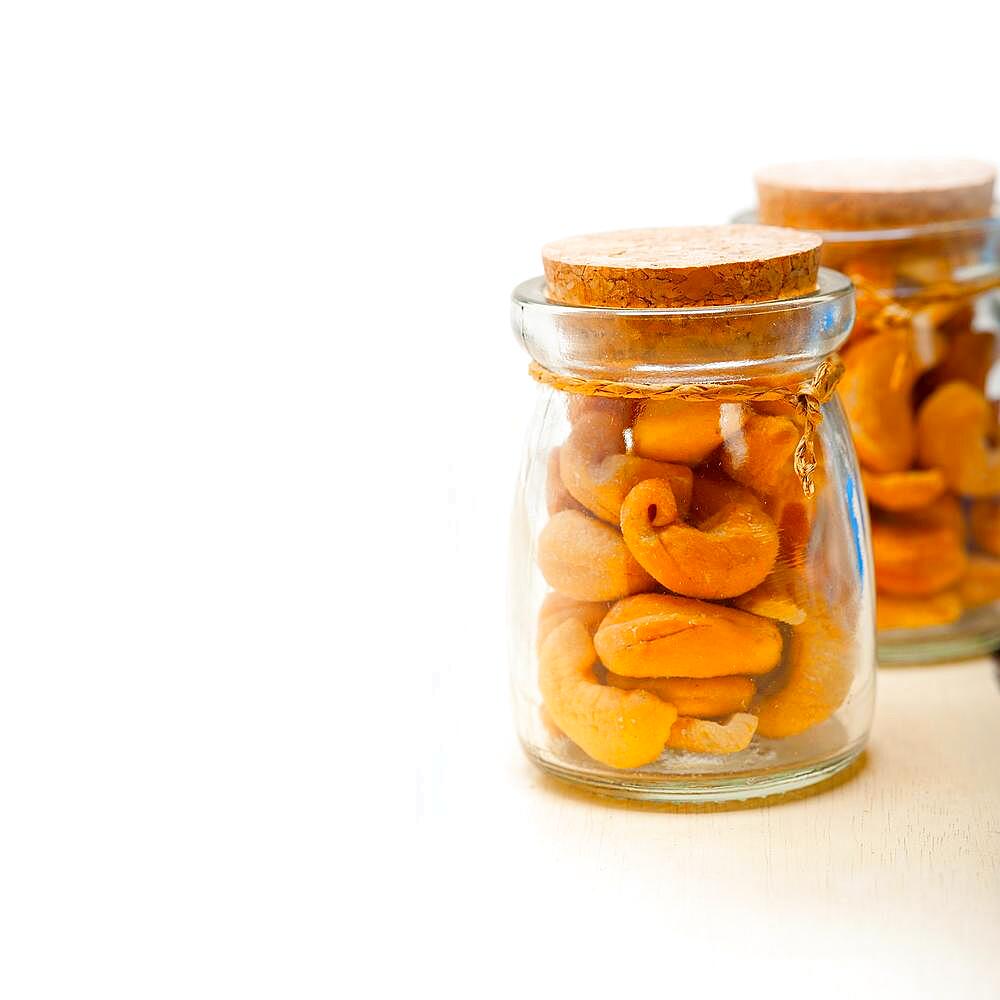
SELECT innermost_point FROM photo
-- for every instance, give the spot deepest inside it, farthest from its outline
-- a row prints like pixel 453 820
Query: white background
pixel 261 413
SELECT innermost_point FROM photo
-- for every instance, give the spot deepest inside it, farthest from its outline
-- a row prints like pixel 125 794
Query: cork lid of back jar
pixel 842 195
pixel 681 267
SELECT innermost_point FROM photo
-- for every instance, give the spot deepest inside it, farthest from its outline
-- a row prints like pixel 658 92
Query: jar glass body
pixel 719 648
pixel 921 394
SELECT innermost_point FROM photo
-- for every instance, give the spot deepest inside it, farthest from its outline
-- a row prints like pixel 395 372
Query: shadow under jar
pixel 921 386
pixel 691 592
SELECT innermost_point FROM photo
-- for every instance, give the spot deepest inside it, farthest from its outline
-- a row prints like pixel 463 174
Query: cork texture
pixel 681 267
pixel 874 194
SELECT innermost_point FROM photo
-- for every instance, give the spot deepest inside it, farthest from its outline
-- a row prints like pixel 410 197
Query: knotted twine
pixel 807 398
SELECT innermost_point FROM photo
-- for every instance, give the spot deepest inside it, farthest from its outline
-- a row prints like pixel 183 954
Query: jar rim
pixel 989 224
pixel 652 344
pixel 831 285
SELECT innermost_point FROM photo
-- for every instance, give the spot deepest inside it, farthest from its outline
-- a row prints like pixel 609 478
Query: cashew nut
pixel 724 555
pixel 903 490
pixel 699 697
pixel 761 458
pixel 618 728
pixel 699 736
pixel 658 635
pixel 880 372
pixel 587 559
pixel 919 612
pixel 915 558
pixel 673 430
pixel 953 427
pixel 598 474
pixel 818 679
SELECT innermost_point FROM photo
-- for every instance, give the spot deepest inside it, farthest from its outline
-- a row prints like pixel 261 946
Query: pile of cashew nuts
pixel 925 434
pixel 682 616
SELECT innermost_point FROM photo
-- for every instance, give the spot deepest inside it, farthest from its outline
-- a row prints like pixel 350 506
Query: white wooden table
pixel 886 883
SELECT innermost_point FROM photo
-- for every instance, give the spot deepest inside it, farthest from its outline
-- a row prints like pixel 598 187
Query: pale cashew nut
pixel 700 736
pixel 587 559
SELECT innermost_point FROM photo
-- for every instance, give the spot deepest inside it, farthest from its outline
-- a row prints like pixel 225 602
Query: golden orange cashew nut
pixel 915 559
pixel 760 457
pixel 918 612
pixel 908 490
pixel 878 381
pixel 952 428
pixel 700 736
pixel 698 697
pixel 819 677
pixel 659 635
pixel 618 728
pixel 587 559
pixel 597 473
pixel 725 555
pixel 675 430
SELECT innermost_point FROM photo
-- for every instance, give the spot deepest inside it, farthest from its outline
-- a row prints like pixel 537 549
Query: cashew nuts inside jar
pixel 691 587
pixel 921 242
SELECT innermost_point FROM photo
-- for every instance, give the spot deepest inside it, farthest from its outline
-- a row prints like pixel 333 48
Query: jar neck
pixel 651 346
pixel 914 260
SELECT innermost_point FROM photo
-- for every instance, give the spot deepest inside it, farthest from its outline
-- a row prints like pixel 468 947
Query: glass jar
pixel 921 387
pixel 687 623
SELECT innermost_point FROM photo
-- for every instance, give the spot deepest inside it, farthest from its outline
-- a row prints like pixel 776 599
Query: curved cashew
pixel 658 635
pixel 587 559
pixel 724 555
pixel 617 728
pixel 981 583
pixel 914 559
pixel 952 427
pixel 880 372
pixel 598 474
pixel 818 679
pixel 919 612
pixel 673 430
pixel 903 490
pixel 699 697
pixel 557 608
pixel 699 736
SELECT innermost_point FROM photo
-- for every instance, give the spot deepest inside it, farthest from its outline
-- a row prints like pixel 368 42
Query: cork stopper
pixel 874 194
pixel 681 267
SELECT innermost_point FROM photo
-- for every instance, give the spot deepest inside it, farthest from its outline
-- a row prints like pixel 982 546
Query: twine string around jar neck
pixel 807 398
